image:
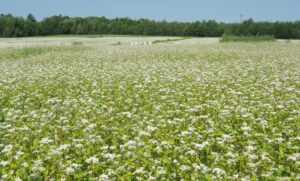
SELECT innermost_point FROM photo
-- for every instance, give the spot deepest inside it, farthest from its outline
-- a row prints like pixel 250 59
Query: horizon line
pixel 161 20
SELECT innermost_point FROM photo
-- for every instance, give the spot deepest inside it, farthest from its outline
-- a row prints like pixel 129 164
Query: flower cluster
pixel 185 111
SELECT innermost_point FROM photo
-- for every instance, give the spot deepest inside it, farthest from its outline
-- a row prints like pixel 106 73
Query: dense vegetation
pixel 11 26
pixel 232 38
pixel 190 110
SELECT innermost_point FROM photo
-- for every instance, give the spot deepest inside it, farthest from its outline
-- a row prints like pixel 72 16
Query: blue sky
pixel 180 10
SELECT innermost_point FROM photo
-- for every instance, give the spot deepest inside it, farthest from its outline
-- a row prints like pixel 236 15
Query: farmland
pixel 103 108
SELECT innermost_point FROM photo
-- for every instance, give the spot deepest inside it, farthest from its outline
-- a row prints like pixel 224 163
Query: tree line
pixel 12 26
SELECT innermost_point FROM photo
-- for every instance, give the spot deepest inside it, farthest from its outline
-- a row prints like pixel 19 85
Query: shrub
pixel 77 43
pixel 232 38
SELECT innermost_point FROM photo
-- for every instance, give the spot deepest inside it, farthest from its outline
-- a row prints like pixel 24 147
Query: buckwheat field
pixel 122 108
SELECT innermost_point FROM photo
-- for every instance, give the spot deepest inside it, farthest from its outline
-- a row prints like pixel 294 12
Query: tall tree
pixel 31 26
pixel 11 26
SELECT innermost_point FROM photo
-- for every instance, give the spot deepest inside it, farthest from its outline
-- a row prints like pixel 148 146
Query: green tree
pixel 31 26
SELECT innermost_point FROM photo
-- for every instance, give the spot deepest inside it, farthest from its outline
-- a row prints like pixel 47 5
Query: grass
pixel 117 43
pixel 77 43
pixel 97 36
pixel 232 38
pixel 26 52
pixel 170 40
pixel 77 36
pixel 215 111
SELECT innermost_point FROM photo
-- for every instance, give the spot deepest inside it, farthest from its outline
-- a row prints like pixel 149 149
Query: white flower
pixel 184 168
pixel 218 171
pixel 191 152
pixel 103 177
pixel 104 148
pixel 230 154
pixel 4 177
pixel 128 114
pixel 139 171
pixel 202 145
pixel 75 165
pixel 7 148
pixel 144 133
pixel 246 128
pixel 18 179
pixel 79 145
pixel 45 141
pixel 196 166
pixel 294 157
pixel 160 171
pixel 250 148
pixel 252 157
pixel 130 145
pixel 211 122
pixel 4 163
pixel 93 160
pixel 280 106
pixel 84 121
pixel 150 177
pixel 24 164
pixel 109 156
pixel 70 170
pixel 18 154
pixel 63 147
pixel 38 168
pixel 151 128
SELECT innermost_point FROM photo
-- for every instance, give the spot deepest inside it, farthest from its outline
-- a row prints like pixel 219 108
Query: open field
pixel 189 109
pixel 69 40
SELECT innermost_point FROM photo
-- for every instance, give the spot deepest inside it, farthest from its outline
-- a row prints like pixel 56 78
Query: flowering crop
pixel 186 110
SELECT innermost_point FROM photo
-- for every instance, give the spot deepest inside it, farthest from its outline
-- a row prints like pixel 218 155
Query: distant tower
pixel 241 17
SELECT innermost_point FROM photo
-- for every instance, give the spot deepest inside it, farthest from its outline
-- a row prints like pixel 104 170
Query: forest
pixel 13 26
